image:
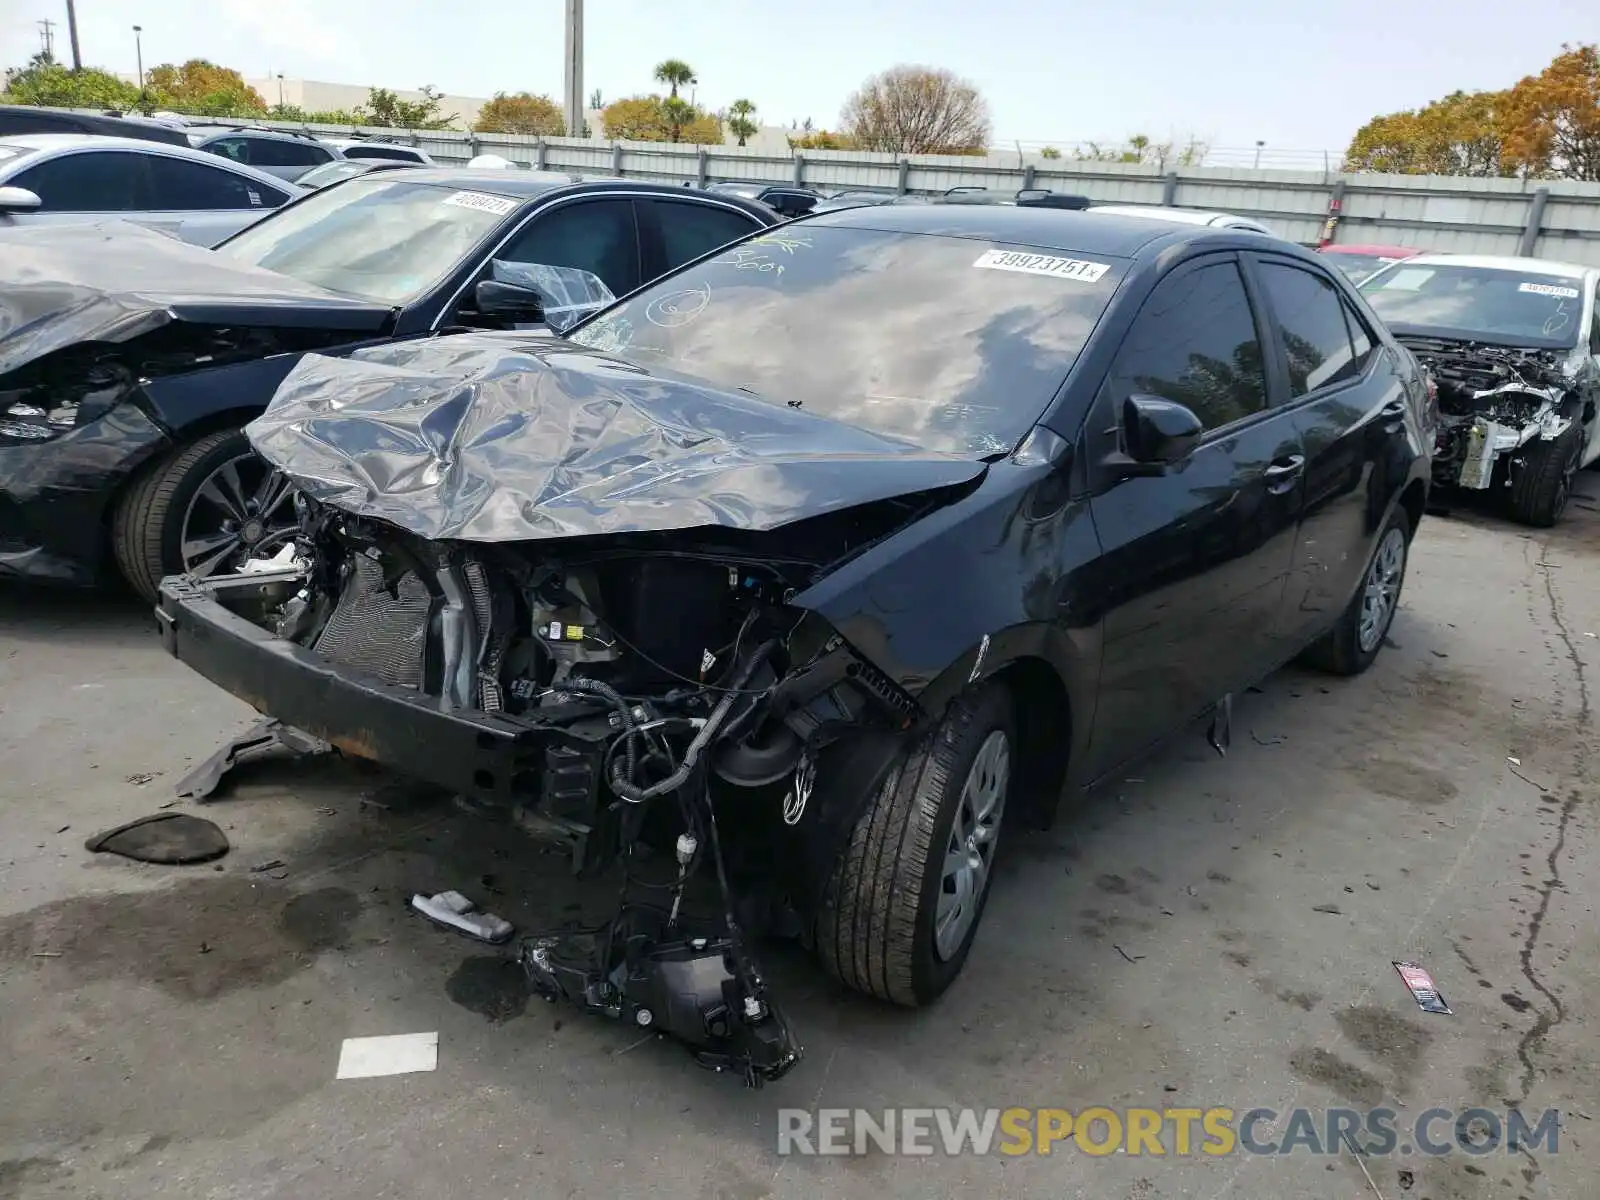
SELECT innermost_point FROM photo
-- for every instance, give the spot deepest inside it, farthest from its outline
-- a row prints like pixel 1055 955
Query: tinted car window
pixel 270 152
pixel 237 148
pixel 1360 337
pixel 1316 339
pixel 690 230
pixel 941 342
pixel 592 235
pixel 177 184
pixel 103 181
pixel 1195 343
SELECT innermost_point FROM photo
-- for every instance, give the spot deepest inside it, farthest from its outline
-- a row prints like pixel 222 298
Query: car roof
pixel 1158 212
pixel 1091 231
pixel 1503 262
pixel 1380 251
pixel 519 184
pixel 209 133
pixel 100 123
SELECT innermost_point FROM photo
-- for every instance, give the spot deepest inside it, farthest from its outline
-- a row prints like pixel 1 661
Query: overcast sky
pixel 1297 75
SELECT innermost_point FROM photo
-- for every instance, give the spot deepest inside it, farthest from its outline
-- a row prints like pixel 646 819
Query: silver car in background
pixel 52 179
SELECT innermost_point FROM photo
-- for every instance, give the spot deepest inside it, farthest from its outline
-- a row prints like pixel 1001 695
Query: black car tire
pixel 1340 650
pixel 146 527
pixel 1542 486
pixel 875 930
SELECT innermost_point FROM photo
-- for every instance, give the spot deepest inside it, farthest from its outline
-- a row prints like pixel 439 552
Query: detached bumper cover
pixel 474 753
pixel 54 494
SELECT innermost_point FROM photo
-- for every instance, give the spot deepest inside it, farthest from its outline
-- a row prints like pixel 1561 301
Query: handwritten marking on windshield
pixel 676 309
pixel 1077 269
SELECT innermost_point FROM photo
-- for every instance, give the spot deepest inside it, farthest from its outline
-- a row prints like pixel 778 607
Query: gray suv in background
pixel 285 155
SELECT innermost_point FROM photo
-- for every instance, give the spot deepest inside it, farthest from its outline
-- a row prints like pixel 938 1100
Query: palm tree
pixel 740 123
pixel 675 73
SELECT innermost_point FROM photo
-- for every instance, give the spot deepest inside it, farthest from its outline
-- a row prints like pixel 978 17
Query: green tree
pixel 1049 152
pixel 912 109
pixel 1462 134
pixel 656 119
pixel 385 108
pixel 821 139
pixel 46 82
pixel 522 113
pixel 675 73
pixel 201 86
pixel 741 123
pixel 1552 120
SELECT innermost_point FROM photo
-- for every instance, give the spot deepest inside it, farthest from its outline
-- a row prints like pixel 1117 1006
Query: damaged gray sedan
pixel 822 563
pixel 1513 345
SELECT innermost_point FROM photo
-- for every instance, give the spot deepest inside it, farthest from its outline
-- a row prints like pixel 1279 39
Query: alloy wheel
pixel 242 510
pixel 1381 592
pixel 974 834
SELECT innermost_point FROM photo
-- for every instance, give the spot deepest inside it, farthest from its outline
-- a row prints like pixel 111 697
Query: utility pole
pixel 138 50
pixel 47 37
pixel 573 69
pixel 72 35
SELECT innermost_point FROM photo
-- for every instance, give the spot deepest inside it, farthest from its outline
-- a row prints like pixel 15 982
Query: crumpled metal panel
pixel 512 437
pixel 113 281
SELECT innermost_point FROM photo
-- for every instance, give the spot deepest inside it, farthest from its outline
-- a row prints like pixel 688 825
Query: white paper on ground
pixel 396 1054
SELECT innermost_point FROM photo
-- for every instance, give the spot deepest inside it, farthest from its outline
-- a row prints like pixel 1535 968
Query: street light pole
pixel 72 34
pixel 573 69
pixel 280 90
pixel 1259 144
pixel 138 53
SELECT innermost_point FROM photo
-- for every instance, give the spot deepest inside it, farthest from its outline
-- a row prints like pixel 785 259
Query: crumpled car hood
pixel 514 437
pixel 113 281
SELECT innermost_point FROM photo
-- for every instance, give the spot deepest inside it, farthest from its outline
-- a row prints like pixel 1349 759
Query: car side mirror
pixel 509 302
pixel 15 199
pixel 1159 431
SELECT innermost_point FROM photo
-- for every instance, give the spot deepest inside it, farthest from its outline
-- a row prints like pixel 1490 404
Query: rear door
pixel 203 204
pixel 286 159
pixel 1347 397
pixel 1195 559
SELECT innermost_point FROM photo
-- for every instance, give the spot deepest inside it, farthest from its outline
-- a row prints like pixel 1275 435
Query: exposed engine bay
pixel 1494 404
pixel 644 693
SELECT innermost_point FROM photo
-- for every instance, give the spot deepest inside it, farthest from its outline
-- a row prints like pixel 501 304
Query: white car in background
pixel 1184 216
pixel 57 178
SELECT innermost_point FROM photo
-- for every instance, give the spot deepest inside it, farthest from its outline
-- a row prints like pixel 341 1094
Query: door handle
pixel 1395 408
pixel 1282 472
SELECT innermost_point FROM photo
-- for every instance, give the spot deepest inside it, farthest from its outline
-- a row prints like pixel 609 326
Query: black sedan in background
pixel 129 361
pixel 855 540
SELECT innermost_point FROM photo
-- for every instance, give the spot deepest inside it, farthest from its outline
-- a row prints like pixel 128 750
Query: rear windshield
pixel 951 344
pixel 1490 303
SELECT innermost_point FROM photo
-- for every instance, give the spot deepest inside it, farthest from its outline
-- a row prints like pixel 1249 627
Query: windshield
pixel 332 172
pixel 379 237
pixel 750 190
pixel 1491 303
pixel 946 343
pixel 1357 267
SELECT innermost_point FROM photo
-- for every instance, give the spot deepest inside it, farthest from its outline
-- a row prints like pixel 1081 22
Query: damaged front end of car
pixel 1495 404
pixel 609 658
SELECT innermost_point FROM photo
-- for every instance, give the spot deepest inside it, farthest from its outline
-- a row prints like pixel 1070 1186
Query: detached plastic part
pixel 456 911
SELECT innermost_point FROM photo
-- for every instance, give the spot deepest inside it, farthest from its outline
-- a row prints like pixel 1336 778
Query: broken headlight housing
pixel 49 409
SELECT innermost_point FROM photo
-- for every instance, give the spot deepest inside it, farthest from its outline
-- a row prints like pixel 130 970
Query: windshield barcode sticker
pixel 1042 264
pixel 498 205
pixel 1549 289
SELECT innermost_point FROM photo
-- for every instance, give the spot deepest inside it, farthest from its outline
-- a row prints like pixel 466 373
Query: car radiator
pixel 384 631
pixel 378 631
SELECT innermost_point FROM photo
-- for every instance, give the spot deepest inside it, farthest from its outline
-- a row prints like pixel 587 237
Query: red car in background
pixel 1357 262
